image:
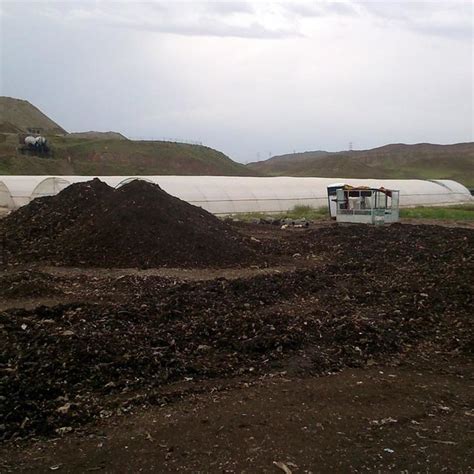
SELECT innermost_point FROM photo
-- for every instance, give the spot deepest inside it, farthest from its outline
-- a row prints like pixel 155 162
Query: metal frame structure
pixel 365 205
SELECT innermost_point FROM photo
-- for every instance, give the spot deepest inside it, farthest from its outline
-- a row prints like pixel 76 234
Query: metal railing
pixel 364 212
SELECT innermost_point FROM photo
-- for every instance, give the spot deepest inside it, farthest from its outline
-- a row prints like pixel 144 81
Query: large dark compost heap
pixel 137 225
pixel 388 295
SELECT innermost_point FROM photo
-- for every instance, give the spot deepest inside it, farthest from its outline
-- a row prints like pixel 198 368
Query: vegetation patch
pixel 458 212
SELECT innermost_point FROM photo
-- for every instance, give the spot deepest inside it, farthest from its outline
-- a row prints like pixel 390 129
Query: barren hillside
pixel 396 161
pixel 18 116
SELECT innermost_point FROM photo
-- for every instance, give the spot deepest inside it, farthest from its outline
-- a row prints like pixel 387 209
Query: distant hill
pixel 100 153
pixel 98 135
pixel 83 156
pixel 19 116
pixel 396 161
pixel 111 153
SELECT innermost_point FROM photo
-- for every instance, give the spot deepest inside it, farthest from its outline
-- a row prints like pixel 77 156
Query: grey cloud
pixel 216 7
pixel 303 9
pixel 215 19
pixel 454 32
pixel 307 9
pixel 230 7
pixel 205 26
pixel 340 8
pixel 377 81
pixel 446 19
pixel 252 31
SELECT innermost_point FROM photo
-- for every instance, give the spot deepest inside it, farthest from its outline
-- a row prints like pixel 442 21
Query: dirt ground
pixel 390 387
pixel 440 222
pixel 413 418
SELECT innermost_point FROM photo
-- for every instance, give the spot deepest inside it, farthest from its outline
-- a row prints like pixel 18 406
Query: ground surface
pixel 384 418
pixel 323 359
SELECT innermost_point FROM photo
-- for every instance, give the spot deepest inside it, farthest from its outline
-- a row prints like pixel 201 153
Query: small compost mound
pixel 137 225
pixel 34 232
pixel 28 284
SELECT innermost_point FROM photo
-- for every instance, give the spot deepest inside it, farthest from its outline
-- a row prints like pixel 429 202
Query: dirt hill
pixel 93 135
pixel 105 157
pixel 19 116
pixel 136 225
pixel 396 161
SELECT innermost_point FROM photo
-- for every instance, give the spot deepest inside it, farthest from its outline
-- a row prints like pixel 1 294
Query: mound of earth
pixel 137 225
pixel 27 284
pixel 34 232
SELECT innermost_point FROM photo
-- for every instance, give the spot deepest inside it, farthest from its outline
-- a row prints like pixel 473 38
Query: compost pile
pixel 34 231
pixel 137 225
pixel 27 284
pixel 387 295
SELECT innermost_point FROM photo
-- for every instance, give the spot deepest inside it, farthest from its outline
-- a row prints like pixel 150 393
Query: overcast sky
pixel 248 78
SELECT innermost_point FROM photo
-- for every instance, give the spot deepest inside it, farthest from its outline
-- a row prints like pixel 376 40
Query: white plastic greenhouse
pixel 231 195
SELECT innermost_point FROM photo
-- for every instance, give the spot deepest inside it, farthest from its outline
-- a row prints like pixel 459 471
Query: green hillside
pixel 19 116
pixel 99 153
pixel 83 156
pixel 110 153
pixel 399 161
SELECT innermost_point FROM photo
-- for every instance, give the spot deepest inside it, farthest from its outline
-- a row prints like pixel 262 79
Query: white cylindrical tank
pixel 30 140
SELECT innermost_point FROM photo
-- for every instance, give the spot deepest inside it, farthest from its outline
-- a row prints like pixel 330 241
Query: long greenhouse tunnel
pixel 224 195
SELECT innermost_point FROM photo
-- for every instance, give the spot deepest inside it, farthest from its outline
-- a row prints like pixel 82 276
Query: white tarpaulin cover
pixel 231 194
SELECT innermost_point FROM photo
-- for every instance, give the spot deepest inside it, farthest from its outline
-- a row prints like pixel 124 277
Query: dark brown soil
pixel 414 418
pixel 28 284
pixel 34 232
pixel 232 369
pixel 377 296
pixel 137 225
